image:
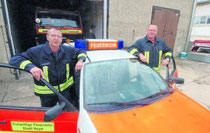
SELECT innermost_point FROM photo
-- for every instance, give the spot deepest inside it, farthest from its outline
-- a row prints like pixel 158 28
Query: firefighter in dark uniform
pixel 150 49
pixel 56 63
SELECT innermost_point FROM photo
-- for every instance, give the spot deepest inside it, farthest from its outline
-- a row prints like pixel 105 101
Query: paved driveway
pixel 197 80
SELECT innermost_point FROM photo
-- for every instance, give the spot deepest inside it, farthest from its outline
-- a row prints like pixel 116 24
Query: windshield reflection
pixel 59 22
pixel 119 84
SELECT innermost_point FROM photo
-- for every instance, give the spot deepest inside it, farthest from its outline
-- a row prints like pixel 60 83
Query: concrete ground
pixel 196 86
pixel 17 92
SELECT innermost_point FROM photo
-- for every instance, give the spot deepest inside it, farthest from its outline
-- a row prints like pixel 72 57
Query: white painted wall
pixel 202 10
pixel 201 31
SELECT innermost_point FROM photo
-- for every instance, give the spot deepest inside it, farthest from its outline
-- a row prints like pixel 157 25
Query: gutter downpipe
pixel 105 20
pixel 9 28
pixel 10 38
pixel 191 24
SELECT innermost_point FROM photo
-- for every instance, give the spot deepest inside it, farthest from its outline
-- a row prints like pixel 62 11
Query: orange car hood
pixel 174 114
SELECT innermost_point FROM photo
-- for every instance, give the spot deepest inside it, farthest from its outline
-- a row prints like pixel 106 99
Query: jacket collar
pixel 48 50
pixel 147 40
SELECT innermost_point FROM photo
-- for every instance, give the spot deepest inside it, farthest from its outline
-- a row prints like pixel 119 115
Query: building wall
pixel 128 20
pixel 4 48
pixel 201 31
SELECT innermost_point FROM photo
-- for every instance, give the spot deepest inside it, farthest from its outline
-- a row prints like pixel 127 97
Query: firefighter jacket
pixel 58 68
pixel 153 52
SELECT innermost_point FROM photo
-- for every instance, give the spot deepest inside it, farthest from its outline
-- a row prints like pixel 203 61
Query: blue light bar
pixel 120 44
pixel 81 44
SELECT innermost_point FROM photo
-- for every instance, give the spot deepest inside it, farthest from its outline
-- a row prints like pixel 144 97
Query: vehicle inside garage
pixel 19 17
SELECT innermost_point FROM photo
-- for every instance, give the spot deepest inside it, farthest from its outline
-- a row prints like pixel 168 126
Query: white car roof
pixel 102 55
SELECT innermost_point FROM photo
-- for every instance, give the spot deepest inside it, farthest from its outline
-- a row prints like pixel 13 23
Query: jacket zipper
pixel 56 71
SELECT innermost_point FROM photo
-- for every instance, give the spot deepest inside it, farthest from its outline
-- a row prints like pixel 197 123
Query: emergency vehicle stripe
pixel 168 54
pixel 80 55
pixel 62 31
pixel 146 53
pixel 43 30
pixel 71 31
pixel 24 64
pixel 46 90
pixel 157 69
pixel 45 70
pixel 133 51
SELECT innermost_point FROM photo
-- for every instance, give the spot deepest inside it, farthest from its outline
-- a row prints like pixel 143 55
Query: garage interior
pixel 19 15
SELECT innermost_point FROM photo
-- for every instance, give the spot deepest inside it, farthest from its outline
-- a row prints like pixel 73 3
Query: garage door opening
pixel 20 22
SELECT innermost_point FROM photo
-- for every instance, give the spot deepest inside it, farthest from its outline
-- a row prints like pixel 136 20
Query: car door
pixel 20 109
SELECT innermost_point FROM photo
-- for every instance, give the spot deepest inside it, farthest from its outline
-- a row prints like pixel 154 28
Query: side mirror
pixel 173 76
pixel 54 112
pixel 177 80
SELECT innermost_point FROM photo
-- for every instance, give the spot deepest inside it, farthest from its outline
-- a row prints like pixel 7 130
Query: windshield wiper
pixel 68 26
pixel 46 24
pixel 146 101
pixel 107 103
pixel 122 103
pixel 159 94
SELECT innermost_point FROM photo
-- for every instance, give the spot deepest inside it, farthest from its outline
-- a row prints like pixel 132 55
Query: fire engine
pixel 69 22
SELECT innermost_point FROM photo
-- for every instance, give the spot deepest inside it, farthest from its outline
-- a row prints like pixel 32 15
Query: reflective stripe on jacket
pixel 58 68
pixel 45 90
pixel 153 52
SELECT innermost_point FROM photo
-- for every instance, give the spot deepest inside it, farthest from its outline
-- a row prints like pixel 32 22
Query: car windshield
pixel 58 22
pixel 117 84
pixel 59 19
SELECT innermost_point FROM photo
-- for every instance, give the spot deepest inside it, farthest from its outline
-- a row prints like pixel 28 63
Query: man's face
pixel 152 31
pixel 54 37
